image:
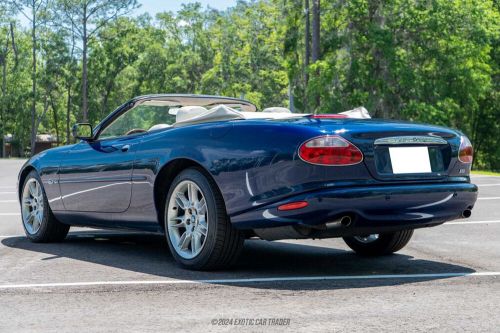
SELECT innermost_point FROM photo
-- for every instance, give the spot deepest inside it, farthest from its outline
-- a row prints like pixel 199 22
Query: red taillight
pixel 293 205
pixel 329 116
pixel 330 150
pixel 466 151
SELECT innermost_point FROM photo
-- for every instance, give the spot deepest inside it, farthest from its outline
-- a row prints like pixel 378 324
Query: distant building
pixel 10 147
pixel 7 146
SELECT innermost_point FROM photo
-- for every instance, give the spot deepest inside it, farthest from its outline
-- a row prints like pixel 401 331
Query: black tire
pixel 385 244
pixel 51 230
pixel 223 242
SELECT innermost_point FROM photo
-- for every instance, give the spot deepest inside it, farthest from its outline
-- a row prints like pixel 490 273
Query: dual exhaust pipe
pixel 346 221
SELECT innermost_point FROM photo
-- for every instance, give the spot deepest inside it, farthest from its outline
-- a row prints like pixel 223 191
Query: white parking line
pixel 473 222
pixel 489 198
pixel 7 192
pixel 485 185
pixel 250 280
pixel 7 201
pixel 10 214
pixel 482 176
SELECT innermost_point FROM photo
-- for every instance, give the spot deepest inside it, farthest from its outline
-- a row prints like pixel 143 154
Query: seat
pixel 158 127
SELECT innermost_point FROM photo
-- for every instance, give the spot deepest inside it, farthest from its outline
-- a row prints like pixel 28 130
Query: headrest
pixel 359 113
pixel 186 113
pixel 277 109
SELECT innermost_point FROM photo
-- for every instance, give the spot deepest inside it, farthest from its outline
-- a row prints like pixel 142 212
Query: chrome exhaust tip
pixel 346 221
pixel 466 213
pixel 343 222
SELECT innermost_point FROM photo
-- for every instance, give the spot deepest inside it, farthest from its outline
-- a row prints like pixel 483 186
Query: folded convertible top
pixel 189 115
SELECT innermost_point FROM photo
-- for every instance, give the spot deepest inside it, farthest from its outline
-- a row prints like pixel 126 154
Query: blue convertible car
pixel 210 171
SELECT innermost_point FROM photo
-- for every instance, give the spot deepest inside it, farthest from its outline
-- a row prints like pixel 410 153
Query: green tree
pixel 86 18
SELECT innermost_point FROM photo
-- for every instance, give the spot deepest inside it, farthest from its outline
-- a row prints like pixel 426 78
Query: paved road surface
pixel 446 279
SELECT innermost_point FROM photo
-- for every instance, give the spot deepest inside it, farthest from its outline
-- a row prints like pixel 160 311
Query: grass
pixel 486 173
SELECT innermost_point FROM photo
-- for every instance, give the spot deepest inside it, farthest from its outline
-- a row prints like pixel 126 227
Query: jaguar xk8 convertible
pixel 209 172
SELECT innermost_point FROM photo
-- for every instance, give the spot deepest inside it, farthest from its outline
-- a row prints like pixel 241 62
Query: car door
pixel 97 176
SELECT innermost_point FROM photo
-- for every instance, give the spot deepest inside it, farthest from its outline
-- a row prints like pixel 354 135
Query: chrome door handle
pixel 125 148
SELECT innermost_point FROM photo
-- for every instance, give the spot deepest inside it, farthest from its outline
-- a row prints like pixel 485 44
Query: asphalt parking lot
pixel 446 279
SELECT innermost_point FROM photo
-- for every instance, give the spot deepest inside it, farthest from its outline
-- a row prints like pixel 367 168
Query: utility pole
pixel 316 39
pixel 307 55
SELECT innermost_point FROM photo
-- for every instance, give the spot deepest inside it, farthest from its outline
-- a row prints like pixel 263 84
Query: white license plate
pixel 410 160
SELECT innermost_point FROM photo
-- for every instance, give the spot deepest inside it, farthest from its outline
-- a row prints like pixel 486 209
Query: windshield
pixel 140 119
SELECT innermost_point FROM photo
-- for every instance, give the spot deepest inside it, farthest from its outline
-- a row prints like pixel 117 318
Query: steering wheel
pixel 135 131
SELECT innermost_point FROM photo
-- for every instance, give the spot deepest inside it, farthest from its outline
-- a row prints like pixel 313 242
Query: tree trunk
pixel 316 39
pixel 68 115
pixel 69 97
pixel 307 55
pixel 14 47
pixel 3 110
pixel 104 108
pixel 291 102
pixel 56 120
pixel 316 31
pixel 33 78
pixel 84 68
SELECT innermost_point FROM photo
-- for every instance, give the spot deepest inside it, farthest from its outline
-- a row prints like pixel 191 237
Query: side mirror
pixel 82 131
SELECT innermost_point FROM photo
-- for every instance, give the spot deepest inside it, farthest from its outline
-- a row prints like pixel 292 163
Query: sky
pixel 156 6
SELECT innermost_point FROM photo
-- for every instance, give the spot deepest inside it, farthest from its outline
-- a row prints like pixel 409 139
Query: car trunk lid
pixel 386 144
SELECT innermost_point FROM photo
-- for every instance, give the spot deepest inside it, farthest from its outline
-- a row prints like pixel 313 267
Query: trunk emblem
pixel 410 140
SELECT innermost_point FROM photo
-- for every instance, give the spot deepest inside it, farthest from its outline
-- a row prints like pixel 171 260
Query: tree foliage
pixel 434 61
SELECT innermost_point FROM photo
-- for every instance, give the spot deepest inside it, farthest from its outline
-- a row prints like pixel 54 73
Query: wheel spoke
pixel 195 242
pixel 192 193
pixel 32 189
pixel 40 216
pixel 29 218
pixel 177 222
pixel 201 206
pixel 202 227
pixel 184 241
pixel 36 224
pixel 181 201
pixel 38 190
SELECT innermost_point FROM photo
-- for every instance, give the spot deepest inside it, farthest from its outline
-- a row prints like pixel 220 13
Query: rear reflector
pixel 329 150
pixel 466 152
pixel 293 205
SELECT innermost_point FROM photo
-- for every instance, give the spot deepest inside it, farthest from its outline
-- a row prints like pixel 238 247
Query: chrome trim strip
pixel 410 140
pixel 100 179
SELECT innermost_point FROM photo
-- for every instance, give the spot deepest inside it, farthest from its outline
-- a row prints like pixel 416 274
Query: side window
pixel 141 119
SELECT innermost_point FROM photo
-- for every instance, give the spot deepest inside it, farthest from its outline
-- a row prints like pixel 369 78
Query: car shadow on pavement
pixel 149 254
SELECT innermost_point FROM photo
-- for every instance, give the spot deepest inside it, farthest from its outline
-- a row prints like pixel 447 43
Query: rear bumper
pixel 374 209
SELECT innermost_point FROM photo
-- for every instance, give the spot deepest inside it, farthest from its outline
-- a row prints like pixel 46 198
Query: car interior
pixel 160 114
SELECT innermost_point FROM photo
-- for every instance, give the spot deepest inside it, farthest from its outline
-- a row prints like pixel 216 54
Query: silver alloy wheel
pixel 32 206
pixel 187 219
pixel 367 238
